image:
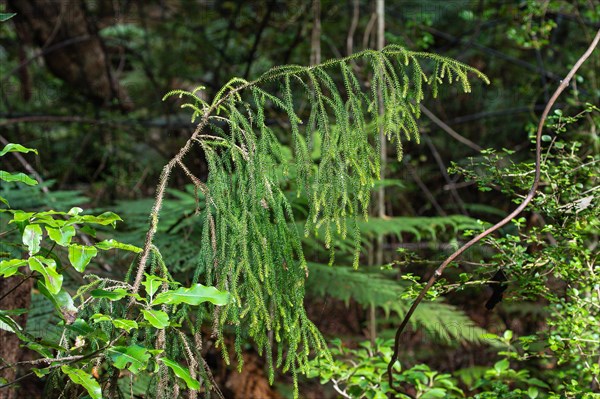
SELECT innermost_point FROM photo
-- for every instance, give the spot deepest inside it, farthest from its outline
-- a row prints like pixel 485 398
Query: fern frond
pixel 443 323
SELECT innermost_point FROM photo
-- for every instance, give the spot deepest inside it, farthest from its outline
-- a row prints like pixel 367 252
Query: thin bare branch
pixel 448 129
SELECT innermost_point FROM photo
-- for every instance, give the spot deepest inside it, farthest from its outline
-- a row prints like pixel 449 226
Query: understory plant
pixel 551 257
pixel 103 328
pixel 251 269
pixel 550 261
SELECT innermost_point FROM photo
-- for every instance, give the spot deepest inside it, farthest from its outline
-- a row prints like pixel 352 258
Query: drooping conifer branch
pixel 249 245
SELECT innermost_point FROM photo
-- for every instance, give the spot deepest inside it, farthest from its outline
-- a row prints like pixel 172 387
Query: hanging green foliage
pixel 249 246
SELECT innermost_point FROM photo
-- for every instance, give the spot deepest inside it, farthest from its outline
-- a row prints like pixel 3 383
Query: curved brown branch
pixel 538 150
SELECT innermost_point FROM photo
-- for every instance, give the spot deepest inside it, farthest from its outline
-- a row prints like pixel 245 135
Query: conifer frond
pixel 249 245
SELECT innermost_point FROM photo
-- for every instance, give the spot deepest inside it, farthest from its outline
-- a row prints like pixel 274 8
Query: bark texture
pixel 70 47
pixel 10 352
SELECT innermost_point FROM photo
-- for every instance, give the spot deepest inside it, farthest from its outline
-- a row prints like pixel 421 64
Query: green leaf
pixel 84 379
pixel 6 16
pixel 104 219
pixel 434 393
pixel 532 392
pixel 17 177
pixel 32 237
pixel 134 357
pixel 8 324
pixel 113 295
pixel 4 201
pixel 110 244
pixel 62 301
pixel 61 235
pixel 75 211
pixel 125 324
pixel 81 327
pixel 537 382
pixel 39 348
pixel 10 267
pixel 157 318
pixel 502 365
pixel 193 296
pixel 47 268
pixel 181 373
pixel 81 255
pixel 11 147
pixel 100 317
pixel 20 216
pixel 152 283
pixel 86 229
pixel 41 372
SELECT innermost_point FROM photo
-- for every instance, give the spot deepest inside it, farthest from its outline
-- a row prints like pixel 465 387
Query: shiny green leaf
pixel 84 379
pixel 62 301
pixel 152 283
pixel 157 318
pixel 110 244
pixel 61 235
pixel 502 365
pixel 104 219
pixel 17 177
pixel 81 255
pixel 181 373
pixel 11 147
pixel 194 295
pixel 75 211
pixel 47 268
pixel 434 393
pixel 32 237
pixel 10 267
pixel 125 324
pixel 113 295
pixel 134 357
pixel 20 216
pixel 5 16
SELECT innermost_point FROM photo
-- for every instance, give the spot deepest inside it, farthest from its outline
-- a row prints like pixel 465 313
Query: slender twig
pixel 415 175
pixel 538 151
pixel 448 129
pixel 259 32
pixel 440 162
pixel 68 359
pixel 156 122
pixel 353 26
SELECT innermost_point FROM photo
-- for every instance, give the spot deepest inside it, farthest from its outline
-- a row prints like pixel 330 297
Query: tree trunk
pixel 10 352
pixel 70 47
